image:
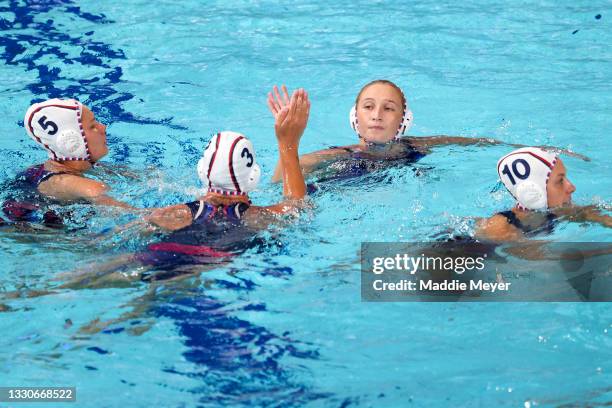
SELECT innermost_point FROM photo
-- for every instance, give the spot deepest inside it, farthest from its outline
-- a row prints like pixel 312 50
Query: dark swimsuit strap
pixel 513 220
pixel 201 210
pixel 48 176
pixel 38 174
pixel 398 141
pixel 346 149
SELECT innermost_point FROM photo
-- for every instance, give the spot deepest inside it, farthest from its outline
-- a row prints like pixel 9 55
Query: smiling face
pixel 379 113
pixel 559 189
pixel 95 133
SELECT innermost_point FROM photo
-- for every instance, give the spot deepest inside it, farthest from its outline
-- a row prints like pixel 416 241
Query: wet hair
pixel 385 82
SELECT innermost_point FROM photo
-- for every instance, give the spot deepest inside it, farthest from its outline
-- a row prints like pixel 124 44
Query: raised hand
pixel 276 101
pixel 291 119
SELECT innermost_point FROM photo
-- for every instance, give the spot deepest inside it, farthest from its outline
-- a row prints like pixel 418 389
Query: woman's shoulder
pixel 497 228
pixel 70 186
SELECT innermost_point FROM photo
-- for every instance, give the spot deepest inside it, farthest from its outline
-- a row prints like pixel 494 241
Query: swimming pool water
pixel 286 326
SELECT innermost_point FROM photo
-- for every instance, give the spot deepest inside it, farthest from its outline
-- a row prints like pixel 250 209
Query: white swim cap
pixel 228 166
pixel 405 124
pixel 525 173
pixel 56 125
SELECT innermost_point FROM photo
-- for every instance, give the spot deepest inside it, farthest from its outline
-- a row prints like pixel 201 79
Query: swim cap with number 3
pixel 228 165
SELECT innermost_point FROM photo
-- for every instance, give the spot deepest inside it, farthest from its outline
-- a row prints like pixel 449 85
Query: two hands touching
pixel 290 115
pixel 290 119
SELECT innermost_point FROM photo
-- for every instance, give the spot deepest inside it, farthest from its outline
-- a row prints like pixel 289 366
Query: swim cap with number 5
pixel 228 165
pixel 56 125
pixel 525 173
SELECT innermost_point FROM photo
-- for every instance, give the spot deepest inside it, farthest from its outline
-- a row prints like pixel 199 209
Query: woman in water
pixel 229 172
pixel 538 180
pixel 75 141
pixel 380 117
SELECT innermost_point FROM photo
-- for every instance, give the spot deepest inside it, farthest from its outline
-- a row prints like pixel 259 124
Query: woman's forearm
pixel 294 186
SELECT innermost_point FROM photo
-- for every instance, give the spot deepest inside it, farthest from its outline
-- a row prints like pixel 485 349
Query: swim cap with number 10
pixel 525 174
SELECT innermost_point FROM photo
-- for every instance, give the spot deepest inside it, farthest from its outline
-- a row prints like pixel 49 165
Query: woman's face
pixel 95 133
pixel 559 189
pixel 379 113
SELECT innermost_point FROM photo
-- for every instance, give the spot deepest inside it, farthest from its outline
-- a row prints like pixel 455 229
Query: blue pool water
pixel 286 326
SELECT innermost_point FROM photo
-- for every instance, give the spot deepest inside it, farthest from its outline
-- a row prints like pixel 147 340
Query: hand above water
pixel 291 119
pixel 276 101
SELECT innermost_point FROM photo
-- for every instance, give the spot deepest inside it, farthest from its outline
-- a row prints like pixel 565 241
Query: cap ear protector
pixel 525 173
pixel 405 124
pixel 228 165
pixel 56 125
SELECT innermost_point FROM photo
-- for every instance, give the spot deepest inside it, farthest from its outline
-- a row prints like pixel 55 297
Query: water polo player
pixel 380 117
pixel 74 141
pixel 223 222
pixel 538 180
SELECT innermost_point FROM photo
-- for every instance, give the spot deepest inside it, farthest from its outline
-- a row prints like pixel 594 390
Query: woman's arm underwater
pixel 170 218
pixel 311 161
pixel 497 228
pixel 589 213
pixel 426 142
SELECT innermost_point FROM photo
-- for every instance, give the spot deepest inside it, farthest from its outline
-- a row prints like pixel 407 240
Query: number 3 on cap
pixel 245 152
pixel 523 175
